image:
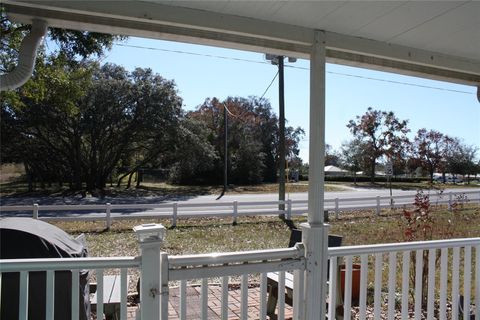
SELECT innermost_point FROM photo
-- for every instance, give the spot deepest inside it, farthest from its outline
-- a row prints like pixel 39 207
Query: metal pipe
pixel 26 58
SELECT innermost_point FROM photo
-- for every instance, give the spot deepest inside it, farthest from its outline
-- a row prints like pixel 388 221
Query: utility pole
pixel 281 116
pixel 225 160
pixel 225 148
pixel 279 61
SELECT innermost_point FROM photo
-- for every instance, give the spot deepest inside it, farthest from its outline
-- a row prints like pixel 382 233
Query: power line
pixel 269 85
pixel 294 67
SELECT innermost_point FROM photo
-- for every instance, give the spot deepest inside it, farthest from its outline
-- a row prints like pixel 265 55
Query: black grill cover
pixel 26 238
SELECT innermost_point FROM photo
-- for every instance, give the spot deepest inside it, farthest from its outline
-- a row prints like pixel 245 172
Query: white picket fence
pixel 175 210
pixel 459 259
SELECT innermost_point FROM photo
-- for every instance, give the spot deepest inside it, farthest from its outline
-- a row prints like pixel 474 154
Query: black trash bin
pixel 25 238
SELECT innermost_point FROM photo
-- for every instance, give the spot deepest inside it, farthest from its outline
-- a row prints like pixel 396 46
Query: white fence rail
pixel 394 271
pixel 175 210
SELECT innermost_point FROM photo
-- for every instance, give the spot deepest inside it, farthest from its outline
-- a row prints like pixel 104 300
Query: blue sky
pixel 202 72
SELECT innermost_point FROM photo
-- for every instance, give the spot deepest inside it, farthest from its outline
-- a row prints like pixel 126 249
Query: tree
pixel 78 122
pixel 352 157
pixel 332 157
pixel 461 159
pixel 73 44
pixel 252 138
pixel 430 147
pixel 383 134
pixel 192 156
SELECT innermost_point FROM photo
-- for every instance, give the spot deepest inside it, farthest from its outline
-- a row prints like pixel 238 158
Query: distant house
pixel 335 171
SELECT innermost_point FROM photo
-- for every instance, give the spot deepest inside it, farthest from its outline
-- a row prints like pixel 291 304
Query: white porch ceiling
pixel 435 39
pixel 450 27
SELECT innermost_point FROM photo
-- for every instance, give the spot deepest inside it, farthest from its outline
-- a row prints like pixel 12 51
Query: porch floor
pixel 214 304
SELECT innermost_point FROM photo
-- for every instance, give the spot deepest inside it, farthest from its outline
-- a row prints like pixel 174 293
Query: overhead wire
pixel 294 67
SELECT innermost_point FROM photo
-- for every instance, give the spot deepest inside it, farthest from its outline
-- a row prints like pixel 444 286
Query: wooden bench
pixel 272 277
pixel 111 297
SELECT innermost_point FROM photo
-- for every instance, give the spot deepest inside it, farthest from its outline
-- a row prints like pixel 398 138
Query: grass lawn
pixel 217 235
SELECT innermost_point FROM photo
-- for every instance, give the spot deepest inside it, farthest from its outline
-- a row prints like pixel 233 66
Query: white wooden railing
pixel 97 266
pixel 382 265
pixel 243 264
pixel 453 270
pixel 175 210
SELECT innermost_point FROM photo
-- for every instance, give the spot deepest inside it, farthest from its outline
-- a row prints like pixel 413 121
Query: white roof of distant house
pixel 334 169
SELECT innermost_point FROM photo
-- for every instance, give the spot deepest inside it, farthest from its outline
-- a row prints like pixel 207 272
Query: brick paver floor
pixel 214 304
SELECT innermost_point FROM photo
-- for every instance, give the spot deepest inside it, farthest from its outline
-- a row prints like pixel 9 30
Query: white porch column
pixel 315 232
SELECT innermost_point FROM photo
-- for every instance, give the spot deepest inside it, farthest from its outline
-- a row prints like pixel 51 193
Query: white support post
pixel 35 211
pixel 378 205
pixel 315 232
pixel 336 208
pixel 316 248
pixel 174 215
pixel 235 212
pixel 289 209
pixel 152 278
pixel 108 215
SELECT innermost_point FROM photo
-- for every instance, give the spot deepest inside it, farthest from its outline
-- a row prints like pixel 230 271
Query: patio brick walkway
pixel 214 304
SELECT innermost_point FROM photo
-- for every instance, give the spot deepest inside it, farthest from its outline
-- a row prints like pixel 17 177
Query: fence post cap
pixel 150 232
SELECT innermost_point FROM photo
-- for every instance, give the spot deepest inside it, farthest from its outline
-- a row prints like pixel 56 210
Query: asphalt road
pixel 202 205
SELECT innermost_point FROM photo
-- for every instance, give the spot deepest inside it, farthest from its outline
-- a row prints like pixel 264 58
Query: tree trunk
pixel 373 170
pixel 129 183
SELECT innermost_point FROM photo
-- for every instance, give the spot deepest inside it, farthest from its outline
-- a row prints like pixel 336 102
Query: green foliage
pixel 74 45
pixel 252 140
pixel 76 122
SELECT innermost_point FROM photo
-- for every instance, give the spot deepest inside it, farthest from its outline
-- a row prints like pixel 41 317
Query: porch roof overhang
pixel 436 40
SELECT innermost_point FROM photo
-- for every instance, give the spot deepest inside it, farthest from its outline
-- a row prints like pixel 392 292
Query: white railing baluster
pixel 405 283
pixel 50 294
pixel 224 298
pixel 431 283
pixel 467 281
pixel 443 283
pixel 263 296
pixel 332 288
pixel 183 299
pixel 244 297
pixel 99 274
pixel 23 303
pixel 363 286
pixel 204 299
pixel 163 285
pixel 392 281
pixel 75 294
pixel 377 300
pixel 418 284
pixel 123 293
pixel 455 281
pixel 298 298
pixel 281 295
pixel 477 282
pixel 347 297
